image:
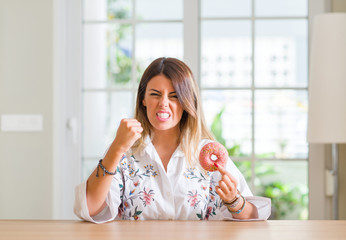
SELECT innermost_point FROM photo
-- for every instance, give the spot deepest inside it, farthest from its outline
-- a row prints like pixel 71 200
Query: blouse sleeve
pixel 113 201
pixel 262 204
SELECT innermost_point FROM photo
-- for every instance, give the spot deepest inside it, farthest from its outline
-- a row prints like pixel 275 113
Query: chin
pixel 163 127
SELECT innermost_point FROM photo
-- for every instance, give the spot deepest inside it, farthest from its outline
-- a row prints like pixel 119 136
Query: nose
pixel 164 101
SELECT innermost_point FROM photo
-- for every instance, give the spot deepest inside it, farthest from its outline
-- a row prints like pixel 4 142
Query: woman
pixel 151 169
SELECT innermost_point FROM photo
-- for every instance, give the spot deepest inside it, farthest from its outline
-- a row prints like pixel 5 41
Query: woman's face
pixel 164 110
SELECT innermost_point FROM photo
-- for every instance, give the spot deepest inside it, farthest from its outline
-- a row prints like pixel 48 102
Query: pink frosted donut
pixel 210 149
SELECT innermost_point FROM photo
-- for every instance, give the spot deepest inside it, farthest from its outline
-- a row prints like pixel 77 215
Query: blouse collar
pixel 150 149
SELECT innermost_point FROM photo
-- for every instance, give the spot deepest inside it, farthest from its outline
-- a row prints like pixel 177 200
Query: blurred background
pixel 69 71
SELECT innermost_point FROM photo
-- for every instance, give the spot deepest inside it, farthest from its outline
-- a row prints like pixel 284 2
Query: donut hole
pixel 213 157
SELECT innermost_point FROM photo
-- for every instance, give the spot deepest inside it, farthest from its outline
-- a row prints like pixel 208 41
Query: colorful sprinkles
pixel 210 149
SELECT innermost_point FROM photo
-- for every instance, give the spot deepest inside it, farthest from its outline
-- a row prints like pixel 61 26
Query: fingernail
pixel 215 164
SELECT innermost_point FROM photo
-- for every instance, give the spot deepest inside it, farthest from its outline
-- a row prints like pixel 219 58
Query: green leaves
pixel 289 201
pixel 216 127
pixel 200 215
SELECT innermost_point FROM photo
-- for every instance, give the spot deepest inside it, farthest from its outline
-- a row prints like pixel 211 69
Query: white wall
pixel 340 6
pixel 321 206
pixel 26 88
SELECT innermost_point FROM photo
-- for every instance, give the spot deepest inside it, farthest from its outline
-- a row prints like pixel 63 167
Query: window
pixel 252 72
pixel 254 87
pixel 120 39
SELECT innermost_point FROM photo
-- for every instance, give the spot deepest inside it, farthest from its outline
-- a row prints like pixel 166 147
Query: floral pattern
pixel 204 199
pixel 135 214
pixel 143 189
pixel 211 200
pixel 132 172
pixel 194 198
pixel 147 196
pixel 193 173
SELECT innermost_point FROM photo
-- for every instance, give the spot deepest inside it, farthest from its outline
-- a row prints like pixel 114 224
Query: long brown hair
pixel 192 124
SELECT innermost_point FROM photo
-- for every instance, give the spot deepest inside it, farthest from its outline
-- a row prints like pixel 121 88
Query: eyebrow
pixel 160 92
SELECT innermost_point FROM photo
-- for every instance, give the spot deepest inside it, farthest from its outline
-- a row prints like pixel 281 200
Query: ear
pixel 144 103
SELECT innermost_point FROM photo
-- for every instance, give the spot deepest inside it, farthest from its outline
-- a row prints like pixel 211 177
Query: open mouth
pixel 163 115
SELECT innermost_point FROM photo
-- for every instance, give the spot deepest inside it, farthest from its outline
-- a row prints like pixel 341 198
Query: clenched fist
pixel 128 133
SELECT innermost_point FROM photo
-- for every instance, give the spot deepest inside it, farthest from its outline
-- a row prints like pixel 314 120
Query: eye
pixel 154 94
pixel 175 96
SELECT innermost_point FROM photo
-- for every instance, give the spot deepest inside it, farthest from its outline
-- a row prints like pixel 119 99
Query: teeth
pixel 163 115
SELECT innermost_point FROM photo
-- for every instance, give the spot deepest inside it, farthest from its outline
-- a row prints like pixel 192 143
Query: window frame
pixel 253 159
pixel 67 81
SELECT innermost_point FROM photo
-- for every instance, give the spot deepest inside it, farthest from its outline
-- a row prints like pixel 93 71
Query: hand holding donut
pixel 128 133
pixel 227 188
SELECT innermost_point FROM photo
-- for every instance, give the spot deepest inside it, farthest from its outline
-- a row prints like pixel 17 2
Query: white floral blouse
pixel 142 189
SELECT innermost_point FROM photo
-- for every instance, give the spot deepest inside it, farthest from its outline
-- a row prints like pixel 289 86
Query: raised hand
pixel 128 133
pixel 227 188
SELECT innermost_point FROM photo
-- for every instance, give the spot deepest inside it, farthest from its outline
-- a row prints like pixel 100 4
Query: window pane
pixel 226 55
pixel 286 183
pixel 102 112
pixel 245 168
pixel 281 53
pixel 154 40
pixel 281 124
pixel 233 128
pixel 107 55
pixel 159 9
pixel 225 8
pixel 107 9
pixel 281 7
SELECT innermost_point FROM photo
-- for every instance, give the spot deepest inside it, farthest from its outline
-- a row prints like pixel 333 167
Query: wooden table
pixel 165 230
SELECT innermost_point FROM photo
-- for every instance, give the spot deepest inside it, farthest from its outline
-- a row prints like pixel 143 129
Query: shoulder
pixel 203 142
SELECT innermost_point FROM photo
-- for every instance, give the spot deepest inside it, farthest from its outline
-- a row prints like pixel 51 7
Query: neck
pixel 166 137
